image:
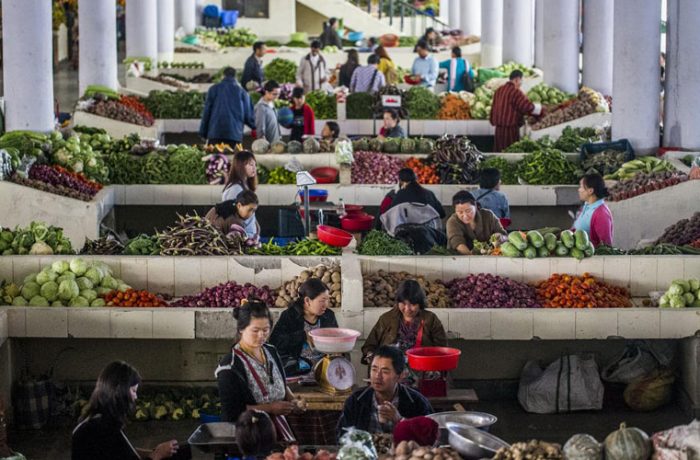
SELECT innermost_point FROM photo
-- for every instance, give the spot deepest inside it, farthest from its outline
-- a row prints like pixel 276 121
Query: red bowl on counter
pixel 353 209
pixel 430 359
pixel 333 236
pixel 357 223
pixel 324 175
pixel 411 80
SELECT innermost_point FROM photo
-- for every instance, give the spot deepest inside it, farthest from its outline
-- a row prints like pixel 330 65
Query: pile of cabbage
pixel 74 283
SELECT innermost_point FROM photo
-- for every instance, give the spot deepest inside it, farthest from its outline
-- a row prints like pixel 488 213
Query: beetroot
pixel 227 295
pixel 491 291
pixel 375 168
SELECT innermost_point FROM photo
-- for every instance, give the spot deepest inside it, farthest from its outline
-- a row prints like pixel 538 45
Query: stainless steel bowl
pixel 473 443
pixel 480 420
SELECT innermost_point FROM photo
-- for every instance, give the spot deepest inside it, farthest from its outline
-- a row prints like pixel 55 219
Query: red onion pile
pixel 375 168
pixel 227 295
pixel 50 179
pixel 491 291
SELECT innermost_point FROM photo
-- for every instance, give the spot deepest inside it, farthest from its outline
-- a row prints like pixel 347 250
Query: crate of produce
pixel 622 145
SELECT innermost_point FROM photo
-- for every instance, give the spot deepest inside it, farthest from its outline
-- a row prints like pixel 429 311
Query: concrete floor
pixel 513 425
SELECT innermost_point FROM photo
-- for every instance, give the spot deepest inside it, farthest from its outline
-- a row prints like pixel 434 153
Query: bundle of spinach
pixel 422 103
pixel 281 70
pixel 175 104
pixel 323 105
pixel 359 106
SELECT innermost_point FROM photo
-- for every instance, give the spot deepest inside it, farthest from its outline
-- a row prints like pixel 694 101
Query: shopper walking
pixel 387 66
pixel 313 70
pixel 266 125
pixel 226 109
pixel 253 70
pixel 347 69
pixel 330 36
pixel 457 68
pixel 508 109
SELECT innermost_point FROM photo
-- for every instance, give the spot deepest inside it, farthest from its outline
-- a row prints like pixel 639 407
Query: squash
pixel 294 147
pixel 311 145
pixel 627 444
pixel 583 447
pixel 260 146
pixel 278 147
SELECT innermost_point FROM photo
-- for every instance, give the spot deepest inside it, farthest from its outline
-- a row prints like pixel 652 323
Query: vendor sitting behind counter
pixel 308 312
pixel 240 211
pixel 469 224
pixel 385 402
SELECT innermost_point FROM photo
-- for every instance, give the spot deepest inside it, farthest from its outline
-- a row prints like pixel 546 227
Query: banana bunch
pixel 646 164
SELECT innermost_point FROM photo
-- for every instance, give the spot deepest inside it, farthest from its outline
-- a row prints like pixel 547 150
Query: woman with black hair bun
pixel 594 217
pixel 252 377
pixel 255 434
pixel 100 433
pixel 311 310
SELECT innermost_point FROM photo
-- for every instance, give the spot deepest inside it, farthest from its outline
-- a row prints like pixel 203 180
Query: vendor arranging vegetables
pixel 239 212
pixel 469 224
pixel 594 217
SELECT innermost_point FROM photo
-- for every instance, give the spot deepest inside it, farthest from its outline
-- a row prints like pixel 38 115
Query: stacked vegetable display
pixel 380 289
pixel 457 160
pixel 586 102
pixel 569 291
pixel 281 70
pixel 491 291
pixel 57 180
pixel 330 275
pixel 683 232
pixel 546 167
pixel 548 95
pixel 229 36
pixel 74 283
pixel 305 247
pixel 195 236
pixel 127 109
pixel 378 243
pixel 323 105
pixel 175 104
pixel 533 244
pixel 375 168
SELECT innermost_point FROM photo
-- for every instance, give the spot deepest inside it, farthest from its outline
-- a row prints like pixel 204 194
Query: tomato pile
pixel 133 298
pixel 426 174
pixel 570 291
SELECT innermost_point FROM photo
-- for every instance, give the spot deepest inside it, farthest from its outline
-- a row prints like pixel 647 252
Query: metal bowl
pixel 473 443
pixel 480 420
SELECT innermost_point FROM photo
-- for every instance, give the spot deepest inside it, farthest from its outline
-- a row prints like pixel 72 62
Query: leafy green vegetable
pixel 508 169
pixel 547 167
pixel 175 104
pixel 359 106
pixel 378 243
pixel 422 103
pixel 323 104
pixel 281 70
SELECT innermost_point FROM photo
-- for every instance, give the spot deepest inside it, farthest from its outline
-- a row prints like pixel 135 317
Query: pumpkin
pixel 583 447
pixel 260 146
pixel 278 147
pixel 294 147
pixel 627 444
pixel 311 145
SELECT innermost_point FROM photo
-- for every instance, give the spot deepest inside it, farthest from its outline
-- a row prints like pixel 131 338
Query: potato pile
pixel 410 450
pixel 533 450
pixel 330 275
pixel 380 290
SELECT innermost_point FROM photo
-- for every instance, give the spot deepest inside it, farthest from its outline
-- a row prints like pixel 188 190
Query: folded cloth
pixel 422 430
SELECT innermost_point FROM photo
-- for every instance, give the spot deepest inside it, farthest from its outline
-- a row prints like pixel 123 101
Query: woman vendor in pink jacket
pixel 594 216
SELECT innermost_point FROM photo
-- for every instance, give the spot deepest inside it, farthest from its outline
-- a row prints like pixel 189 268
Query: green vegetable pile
pixel 378 243
pixel 661 249
pixel 281 176
pixel 682 293
pixel 408 41
pixel 178 164
pixel 481 108
pixel 422 103
pixel 547 167
pixel 236 37
pixel 175 104
pixel 534 244
pixel 510 66
pixel 74 283
pixel 323 105
pixel 571 140
pixel 508 169
pixel 281 70
pixel 305 247
pixel 37 239
pixel 142 245
pixel 359 106
pixel 548 95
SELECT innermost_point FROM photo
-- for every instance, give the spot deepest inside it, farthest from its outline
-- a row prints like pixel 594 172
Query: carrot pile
pixel 133 298
pixel 454 108
pixel 425 173
pixel 570 291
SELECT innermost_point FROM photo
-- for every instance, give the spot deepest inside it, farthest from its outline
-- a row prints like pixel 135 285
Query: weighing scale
pixel 334 373
pixel 433 363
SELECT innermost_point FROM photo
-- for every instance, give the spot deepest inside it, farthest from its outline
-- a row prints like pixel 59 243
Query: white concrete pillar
pixel 186 14
pixel 539 33
pixel 455 14
pixel 98 44
pixel 166 30
pixel 518 31
pixel 444 11
pixel 682 94
pixel 561 26
pixel 470 17
pixel 142 29
pixel 636 41
pixel 491 33
pixel 27 65
pixel 598 45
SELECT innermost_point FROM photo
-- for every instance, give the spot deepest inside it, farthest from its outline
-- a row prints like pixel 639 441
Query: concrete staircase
pixel 353 17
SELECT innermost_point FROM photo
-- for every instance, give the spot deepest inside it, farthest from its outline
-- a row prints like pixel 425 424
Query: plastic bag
pixel 356 445
pixel 569 384
pixel 635 362
pixel 650 392
pixel 294 166
pixel 344 152
pixel 678 443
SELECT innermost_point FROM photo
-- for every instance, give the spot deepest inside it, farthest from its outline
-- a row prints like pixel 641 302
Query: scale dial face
pixel 340 374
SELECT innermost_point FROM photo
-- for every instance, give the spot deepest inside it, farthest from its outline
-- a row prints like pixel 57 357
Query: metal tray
pixel 219 437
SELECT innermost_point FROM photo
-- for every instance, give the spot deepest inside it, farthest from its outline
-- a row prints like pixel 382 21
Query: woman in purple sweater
pixel 594 216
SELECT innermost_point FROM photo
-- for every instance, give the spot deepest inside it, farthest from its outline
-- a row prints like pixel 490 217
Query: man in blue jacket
pixel 226 109
pixel 253 71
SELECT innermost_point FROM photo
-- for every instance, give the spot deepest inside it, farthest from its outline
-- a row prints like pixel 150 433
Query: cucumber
pixel 516 238
pixel 581 240
pixel 550 241
pixel 561 250
pixel 508 249
pixel 535 238
pixel 567 239
pixel 578 254
pixel 530 252
pixel 590 250
pixel 543 252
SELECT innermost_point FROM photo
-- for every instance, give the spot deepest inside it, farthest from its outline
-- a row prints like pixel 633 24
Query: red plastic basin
pixel 333 236
pixel 433 358
pixel 324 175
pixel 357 222
pixel 353 209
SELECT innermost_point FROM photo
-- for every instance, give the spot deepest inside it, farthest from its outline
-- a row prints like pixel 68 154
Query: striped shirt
pixel 509 105
pixel 361 81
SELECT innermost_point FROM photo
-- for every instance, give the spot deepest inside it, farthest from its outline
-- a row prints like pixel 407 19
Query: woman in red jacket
pixel 303 123
pixel 594 216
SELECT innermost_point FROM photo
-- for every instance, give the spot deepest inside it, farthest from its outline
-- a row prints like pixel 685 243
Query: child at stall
pixel 240 211
pixel 255 434
pixel 330 131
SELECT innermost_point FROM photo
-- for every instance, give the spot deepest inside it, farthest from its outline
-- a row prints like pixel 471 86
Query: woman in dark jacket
pixel 410 191
pixel 346 70
pixel 407 325
pixel 330 36
pixel 308 312
pixel 100 433
pixel 252 375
